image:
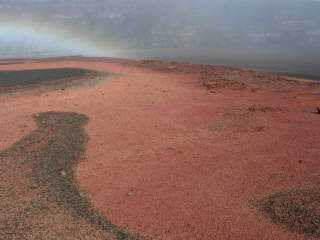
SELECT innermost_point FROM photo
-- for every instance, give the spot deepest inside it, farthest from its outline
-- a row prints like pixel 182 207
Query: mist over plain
pixel 273 35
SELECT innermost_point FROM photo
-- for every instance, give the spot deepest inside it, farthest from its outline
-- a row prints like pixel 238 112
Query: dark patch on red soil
pixel 298 210
pixel 264 108
pixel 11 63
pixel 40 168
pixel 11 81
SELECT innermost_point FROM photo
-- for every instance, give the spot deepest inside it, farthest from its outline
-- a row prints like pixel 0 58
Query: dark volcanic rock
pixel 298 210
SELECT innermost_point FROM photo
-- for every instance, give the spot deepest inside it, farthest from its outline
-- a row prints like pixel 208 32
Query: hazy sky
pixel 290 28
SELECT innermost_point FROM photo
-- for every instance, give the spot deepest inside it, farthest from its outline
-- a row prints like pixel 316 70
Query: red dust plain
pixel 181 151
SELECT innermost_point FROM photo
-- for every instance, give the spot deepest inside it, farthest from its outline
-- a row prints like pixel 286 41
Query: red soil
pixel 170 159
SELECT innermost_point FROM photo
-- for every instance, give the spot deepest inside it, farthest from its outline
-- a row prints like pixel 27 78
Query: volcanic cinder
pixel 123 149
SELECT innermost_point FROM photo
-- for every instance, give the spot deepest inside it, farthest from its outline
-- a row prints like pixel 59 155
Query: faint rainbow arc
pixel 66 39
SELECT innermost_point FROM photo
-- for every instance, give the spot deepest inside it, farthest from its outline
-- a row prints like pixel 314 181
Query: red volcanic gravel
pixel 170 159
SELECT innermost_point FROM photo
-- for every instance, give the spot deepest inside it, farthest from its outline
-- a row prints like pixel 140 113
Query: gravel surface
pixel 172 151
